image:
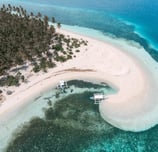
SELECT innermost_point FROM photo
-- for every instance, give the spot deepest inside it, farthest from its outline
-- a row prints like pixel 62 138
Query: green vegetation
pixel 23 37
pixel 65 47
pixel 11 80
pixel 58 25
pixel 27 37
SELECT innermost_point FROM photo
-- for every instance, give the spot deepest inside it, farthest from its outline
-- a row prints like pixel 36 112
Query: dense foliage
pixel 28 38
pixel 23 36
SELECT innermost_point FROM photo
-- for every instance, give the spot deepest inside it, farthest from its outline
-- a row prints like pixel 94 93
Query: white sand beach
pixel 121 64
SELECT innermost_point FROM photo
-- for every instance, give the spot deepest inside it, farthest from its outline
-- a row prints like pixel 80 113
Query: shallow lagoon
pixel 73 124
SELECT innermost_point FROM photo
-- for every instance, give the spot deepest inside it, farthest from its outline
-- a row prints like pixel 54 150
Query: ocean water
pixel 73 124
pixel 82 129
pixel 70 119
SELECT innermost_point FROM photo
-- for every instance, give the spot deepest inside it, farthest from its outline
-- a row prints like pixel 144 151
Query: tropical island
pixel 34 56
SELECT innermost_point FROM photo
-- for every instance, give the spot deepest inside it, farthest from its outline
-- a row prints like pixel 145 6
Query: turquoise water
pixel 74 124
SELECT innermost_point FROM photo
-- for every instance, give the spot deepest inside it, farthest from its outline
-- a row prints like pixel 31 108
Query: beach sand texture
pixel 123 66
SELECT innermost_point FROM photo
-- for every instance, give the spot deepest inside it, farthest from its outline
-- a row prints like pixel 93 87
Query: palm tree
pixel 46 20
pixel 59 25
pixel 52 29
pixel 17 10
pixel 10 7
pixel 3 7
pixel 31 14
pixel 53 20
pixel 39 15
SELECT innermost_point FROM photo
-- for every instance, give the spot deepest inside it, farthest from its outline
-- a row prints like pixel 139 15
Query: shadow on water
pixel 74 124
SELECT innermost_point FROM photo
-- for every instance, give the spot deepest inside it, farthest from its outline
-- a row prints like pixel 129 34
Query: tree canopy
pixel 23 36
pixel 29 37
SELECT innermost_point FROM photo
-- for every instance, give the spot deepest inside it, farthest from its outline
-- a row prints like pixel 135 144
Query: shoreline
pixel 129 109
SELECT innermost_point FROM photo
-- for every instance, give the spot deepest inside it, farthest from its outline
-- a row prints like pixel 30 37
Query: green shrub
pixel 12 81
pixel 58 47
pixel 69 57
pixel 77 51
pixel 36 68
pixel 61 58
